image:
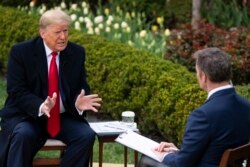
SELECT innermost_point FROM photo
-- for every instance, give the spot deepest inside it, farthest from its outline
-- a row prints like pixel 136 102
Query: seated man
pixel 48 96
pixel 222 122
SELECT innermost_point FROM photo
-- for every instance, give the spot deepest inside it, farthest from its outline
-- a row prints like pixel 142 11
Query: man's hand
pixel 166 147
pixel 87 102
pixel 163 149
pixel 48 104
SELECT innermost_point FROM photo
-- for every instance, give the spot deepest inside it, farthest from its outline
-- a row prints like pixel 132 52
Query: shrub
pixel 226 14
pixel 160 92
pixel 125 78
pixel 185 41
pixel 15 27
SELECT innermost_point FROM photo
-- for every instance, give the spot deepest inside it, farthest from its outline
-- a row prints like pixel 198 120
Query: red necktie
pixel 54 120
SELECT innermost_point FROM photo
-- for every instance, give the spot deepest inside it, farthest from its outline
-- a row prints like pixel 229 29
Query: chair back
pixel 237 157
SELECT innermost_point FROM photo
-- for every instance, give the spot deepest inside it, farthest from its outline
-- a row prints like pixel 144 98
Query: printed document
pixel 139 143
pixel 110 127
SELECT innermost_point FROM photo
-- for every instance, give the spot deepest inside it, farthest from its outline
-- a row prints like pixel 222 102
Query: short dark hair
pixel 215 63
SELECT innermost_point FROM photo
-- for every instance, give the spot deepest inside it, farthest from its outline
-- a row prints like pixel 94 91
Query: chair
pixel 51 144
pixel 236 157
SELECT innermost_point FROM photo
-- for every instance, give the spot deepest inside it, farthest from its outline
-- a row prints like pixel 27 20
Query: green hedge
pixel 160 92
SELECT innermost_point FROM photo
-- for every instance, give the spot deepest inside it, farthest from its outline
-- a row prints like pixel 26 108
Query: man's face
pixel 55 36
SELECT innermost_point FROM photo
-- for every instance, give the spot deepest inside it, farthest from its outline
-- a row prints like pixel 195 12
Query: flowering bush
pixel 236 41
pixel 115 24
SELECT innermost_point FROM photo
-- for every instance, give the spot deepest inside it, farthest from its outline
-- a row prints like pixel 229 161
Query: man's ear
pixel 204 77
pixel 41 33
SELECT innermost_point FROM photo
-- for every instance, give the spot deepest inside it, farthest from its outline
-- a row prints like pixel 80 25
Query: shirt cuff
pixel 80 112
pixel 40 111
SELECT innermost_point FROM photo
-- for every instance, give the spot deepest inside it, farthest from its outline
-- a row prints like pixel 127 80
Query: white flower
pixel 167 32
pixel 107 29
pixel 32 4
pixel 100 26
pixel 90 31
pixel 73 17
pixel 124 24
pixel 130 43
pixel 108 22
pixel 87 19
pixel 143 33
pixel 98 19
pixel 63 5
pixel 84 4
pixel 128 29
pixel 42 9
pixel 89 24
pixel 97 30
pixel 74 6
pixel 111 18
pixel 77 25
pixel 116 26
pixel 81 19
pixel 85 11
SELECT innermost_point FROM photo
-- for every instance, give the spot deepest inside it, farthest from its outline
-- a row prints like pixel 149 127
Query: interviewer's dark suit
pixel 27 89
pixel 222 122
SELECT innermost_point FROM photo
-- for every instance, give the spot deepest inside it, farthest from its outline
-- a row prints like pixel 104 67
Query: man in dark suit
pixel 222 122
pixel 30 103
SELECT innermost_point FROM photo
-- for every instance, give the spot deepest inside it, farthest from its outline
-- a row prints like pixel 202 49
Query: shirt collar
pixel 218 89
pixel 47 50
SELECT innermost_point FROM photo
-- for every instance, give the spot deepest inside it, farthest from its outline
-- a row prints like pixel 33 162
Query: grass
pixel 112 152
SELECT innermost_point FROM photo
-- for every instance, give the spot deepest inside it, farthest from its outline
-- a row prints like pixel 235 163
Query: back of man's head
pixel 215 63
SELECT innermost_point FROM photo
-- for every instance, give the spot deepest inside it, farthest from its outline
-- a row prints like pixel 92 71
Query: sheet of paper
pixel 110 127
pixel 139 143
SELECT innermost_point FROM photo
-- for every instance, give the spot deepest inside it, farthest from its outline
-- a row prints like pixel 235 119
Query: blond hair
pixel 52 17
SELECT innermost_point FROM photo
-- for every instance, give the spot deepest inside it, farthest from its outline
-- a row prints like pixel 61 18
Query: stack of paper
pixel 110 127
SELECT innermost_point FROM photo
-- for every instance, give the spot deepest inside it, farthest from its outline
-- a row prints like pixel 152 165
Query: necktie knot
pixel 54 54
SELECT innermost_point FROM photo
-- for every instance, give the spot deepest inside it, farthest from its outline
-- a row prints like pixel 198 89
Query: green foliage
pixel 175 12
pixel 244 90
pixel 180 11
pixel 129 79
pixel 15 27
pixel 226 14
pixel 2 92
pixel 160 92
pixel 185 41
pixel 125 78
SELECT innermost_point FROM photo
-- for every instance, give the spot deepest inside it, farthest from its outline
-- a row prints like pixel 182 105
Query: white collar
pixel 218 89
pixel 47 50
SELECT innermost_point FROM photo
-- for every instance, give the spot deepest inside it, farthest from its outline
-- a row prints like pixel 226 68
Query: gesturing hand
pixel 87 102
pixel 48 104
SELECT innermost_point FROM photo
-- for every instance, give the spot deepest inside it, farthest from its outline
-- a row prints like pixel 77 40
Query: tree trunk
pixel 196 16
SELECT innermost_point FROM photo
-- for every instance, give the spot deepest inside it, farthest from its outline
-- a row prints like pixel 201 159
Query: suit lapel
pixel 42 66
pixel 64 71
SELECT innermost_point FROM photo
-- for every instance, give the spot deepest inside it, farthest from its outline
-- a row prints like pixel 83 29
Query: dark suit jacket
pixel 27 88
pixel 222 122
